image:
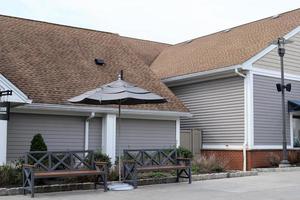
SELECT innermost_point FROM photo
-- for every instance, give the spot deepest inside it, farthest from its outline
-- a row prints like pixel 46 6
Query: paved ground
pixel 273 186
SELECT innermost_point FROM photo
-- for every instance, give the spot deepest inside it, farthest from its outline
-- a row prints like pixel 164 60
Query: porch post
pixel 3 142
pixel 109 136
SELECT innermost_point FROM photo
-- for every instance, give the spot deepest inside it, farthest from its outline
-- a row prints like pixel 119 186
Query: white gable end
pixel 17 95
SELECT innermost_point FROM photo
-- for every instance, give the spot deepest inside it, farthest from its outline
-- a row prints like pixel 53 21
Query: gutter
pixel 86 130
pixel 81 109
pixel 237 71
pixel 202 76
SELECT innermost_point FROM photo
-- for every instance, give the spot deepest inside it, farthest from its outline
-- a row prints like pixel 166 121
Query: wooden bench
pixel 56 164
pixel 147 160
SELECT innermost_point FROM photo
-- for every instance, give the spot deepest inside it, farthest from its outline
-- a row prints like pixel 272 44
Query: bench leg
pixel 177 175
pixel 32 186
pixel 105 182
pixel 190 175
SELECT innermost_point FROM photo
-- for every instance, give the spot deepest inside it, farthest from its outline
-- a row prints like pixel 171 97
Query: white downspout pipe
pixel 86 130
pixel 236 70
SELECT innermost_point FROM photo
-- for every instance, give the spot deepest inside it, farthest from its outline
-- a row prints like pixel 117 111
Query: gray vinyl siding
pixel 59 132
pixel 95 134
pixel 271 60
pixel 142 133
pixel 217 107
pixel 267 110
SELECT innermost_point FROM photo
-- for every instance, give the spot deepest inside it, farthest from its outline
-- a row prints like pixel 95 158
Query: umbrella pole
pixel 118 135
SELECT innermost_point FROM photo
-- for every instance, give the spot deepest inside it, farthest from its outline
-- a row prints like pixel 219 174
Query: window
pixel 296 130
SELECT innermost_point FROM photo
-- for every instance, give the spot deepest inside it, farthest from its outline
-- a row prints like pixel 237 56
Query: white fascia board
pixel 17 96
pixel 41 107
pixel 202 76
pixel 248 64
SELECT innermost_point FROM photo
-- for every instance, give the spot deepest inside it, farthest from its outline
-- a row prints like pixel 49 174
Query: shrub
pixel 102 157
pixel 38 143
pixel 210 164
pixel 10 176
pixel 183 152
pixel 274 159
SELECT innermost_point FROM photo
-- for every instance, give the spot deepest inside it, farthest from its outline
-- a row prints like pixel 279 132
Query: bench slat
pixel 66 173
pixel 161 168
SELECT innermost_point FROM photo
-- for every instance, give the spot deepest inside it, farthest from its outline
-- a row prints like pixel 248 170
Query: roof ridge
pixel 190 40
pixel 56 24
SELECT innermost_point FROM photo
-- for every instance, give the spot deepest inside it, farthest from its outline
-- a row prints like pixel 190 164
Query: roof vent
pixel 275 16
pixel 227 30
pixel 99 61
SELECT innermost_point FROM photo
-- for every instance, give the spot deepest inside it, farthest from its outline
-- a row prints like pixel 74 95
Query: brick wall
pixel 255 158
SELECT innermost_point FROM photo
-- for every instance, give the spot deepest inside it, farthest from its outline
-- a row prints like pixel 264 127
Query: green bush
pixel 183 152
pixel 102 157
pixel 210 164
pixel 38 143
pixel 10 176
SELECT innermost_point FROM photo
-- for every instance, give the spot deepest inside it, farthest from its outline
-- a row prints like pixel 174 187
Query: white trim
pixel 279 147
pixel 275 74
pixel 97 109
pixel 18 96
pixel 221 147
pixel 3 142
pixel 177 132
pixel 269 48
pixel 248 110
pixel 109 136
pixel 291 130
pixel 201 76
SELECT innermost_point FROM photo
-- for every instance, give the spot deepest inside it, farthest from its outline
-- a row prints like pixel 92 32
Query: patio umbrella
pixel 121 93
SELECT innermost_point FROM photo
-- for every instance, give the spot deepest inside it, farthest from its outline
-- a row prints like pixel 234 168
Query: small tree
pixel 38 143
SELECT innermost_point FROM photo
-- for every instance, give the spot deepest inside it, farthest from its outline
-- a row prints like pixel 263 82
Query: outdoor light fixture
pixel 281 87
pixel 5 106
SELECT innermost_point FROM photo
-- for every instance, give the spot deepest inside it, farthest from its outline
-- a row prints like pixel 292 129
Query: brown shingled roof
pixel 224 48
pixel 145 49
pixel 52 63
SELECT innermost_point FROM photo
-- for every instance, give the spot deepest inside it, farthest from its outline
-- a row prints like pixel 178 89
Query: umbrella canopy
pixel 118 92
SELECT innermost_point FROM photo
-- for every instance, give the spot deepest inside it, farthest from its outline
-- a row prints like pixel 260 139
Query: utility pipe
pixel 86 130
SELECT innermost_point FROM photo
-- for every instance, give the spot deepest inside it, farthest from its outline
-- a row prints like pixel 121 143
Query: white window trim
pixel 221 147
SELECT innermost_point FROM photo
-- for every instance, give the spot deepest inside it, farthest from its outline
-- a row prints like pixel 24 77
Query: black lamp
pixel 5 106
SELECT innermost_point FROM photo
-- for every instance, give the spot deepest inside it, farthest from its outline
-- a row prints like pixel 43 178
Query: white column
pixel 178 132
pixel 3 141
pixel 109 136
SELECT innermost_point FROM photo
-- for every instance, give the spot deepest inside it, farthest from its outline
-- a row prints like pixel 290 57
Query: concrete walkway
pixel 280 185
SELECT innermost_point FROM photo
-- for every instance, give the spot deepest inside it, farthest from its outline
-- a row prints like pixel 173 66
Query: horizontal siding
pixel 217 107
pixel 267 110
pixel 271 60
pixel 59 132
pixel 141 134
pixel 95 134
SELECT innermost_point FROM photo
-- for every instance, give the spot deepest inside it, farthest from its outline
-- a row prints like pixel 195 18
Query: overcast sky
pixel 169 21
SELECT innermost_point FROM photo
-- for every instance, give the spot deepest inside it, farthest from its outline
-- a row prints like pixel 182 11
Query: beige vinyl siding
pixel 142 134
pixel 217 107
pixel 271 60
pixel 59 132
pixel 267 110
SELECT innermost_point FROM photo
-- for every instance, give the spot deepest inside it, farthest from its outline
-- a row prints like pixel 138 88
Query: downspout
pixel 236 70
pixel 86 130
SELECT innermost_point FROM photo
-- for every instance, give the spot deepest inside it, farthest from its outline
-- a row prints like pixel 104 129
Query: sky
pixel 168 21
